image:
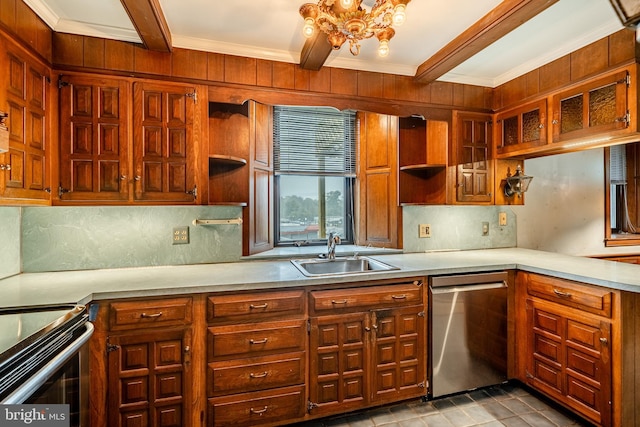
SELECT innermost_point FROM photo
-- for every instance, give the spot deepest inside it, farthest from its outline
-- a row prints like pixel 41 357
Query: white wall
pixel 564 207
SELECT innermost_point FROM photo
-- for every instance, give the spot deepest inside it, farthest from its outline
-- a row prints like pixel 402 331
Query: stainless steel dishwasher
pixel 468 318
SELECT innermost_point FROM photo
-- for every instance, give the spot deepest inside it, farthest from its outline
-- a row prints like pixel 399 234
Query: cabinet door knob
pixel 123 177
pixel 6 167
pixel 137 178
pixel 604 341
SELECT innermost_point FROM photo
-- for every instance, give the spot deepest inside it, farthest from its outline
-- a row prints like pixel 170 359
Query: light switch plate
pixel 424 230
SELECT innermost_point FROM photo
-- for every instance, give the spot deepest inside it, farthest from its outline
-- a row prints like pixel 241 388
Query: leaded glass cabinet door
pixel 521 128
pixel 599 106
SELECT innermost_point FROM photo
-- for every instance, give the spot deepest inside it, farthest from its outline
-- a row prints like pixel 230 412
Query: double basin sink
pixel 329 267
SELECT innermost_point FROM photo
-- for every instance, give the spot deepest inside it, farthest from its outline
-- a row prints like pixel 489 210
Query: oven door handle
pixel 30 386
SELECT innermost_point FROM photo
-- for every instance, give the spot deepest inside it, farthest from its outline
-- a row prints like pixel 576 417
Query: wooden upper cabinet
pixel 379 220
pixel 164 142
pixel 109 154
pixel 258 221
pixel 94 147
pixel 521 128
pixel 597 107
pixel 473 157
pixel 24 168
pixel 422 153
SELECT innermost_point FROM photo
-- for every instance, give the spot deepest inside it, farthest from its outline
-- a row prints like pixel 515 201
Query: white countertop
pixel 83 286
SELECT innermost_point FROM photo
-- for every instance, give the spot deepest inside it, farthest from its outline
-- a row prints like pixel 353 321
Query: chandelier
pixel 344 20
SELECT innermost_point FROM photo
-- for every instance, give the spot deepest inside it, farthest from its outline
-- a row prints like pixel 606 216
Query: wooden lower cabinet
pixel 569 358
pixel 368 349
pixel 256 358
pixel 141 363
pixel 578 346
pixel 151 372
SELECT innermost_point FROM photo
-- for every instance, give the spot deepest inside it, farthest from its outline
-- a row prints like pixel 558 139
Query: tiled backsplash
pixel 9 241
pixel 79 238
pixel 457 228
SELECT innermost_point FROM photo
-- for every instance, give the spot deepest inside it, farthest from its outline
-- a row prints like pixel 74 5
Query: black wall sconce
pixel 517 183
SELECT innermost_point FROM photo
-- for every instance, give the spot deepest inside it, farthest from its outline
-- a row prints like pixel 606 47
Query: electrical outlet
pixel 485 228
pixel 502 219
pixel 181 235
pixel 424 230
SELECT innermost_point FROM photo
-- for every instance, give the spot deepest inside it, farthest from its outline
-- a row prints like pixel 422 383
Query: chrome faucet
pixel 332 241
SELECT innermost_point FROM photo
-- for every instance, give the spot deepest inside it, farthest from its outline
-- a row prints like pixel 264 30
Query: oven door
pixel 62 379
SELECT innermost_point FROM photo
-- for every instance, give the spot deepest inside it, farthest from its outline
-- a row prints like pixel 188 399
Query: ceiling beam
pixel 150 23
pixel 315 51
pixel 504 18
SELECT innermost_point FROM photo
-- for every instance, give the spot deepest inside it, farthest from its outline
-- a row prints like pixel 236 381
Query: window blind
pixel 617 164
pixel 314 141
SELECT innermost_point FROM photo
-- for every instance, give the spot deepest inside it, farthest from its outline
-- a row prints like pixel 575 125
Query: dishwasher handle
pixel 467 288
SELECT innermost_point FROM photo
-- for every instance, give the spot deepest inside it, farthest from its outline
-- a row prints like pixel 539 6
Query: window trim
pixel 348 174
pixel 611 239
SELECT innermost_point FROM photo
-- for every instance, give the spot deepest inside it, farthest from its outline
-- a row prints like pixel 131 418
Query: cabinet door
pixel 339 367
pixel 379 219
pixel 522 128
pixel 399 354
pixel 94 157
pixel 258 224
pixel 569 359
pixel 164 142
pixel 149 377
pixel 24 93
pixel 597 107
pixel 472 147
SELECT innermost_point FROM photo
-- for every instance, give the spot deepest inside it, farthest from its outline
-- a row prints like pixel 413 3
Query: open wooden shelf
pixel 228 161
pixel 423 167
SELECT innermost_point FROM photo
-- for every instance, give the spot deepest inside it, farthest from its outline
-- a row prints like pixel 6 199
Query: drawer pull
pixel 344 301
pixel 260 375
pixel 604 341
pixel 562 294
pixel 403 296
pixel 258 411
pixel 255 307
pixel 262 341
pixel 151 316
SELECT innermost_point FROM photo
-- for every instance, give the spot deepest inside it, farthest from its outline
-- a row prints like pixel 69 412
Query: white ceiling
pixel 272 29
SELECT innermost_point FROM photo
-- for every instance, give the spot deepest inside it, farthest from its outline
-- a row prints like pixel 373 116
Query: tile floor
pixel 505 405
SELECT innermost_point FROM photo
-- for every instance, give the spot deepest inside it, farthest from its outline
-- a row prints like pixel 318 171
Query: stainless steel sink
pixel 330 267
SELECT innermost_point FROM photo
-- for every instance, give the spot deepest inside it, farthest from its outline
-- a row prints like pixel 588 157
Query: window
pixel 314 167
pixel 622 175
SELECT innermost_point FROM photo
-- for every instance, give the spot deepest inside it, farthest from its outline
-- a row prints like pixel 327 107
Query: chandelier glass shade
pixel 349 20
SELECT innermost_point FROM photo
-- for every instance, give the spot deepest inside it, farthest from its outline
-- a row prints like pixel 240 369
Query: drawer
pixel 255 306
pixel 368 297
pixel 258 408
pixel 584 297
pixel 256 339
pixel 145 314
pixel 258 373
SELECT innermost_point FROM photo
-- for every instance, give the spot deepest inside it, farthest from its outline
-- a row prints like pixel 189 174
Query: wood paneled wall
pixel 379 92
pixel 615 50
pixel 19 20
